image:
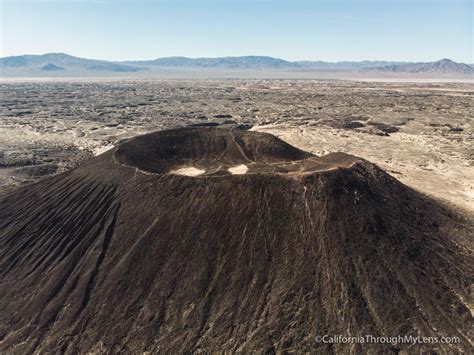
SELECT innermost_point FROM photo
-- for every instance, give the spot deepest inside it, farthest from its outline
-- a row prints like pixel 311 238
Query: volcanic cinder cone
pixel 208 239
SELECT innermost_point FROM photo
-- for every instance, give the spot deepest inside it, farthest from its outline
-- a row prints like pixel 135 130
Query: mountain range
pixel 63 64
pixel 61 60
pixel 440 66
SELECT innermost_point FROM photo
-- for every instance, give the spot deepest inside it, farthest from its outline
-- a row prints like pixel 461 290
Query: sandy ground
pixel 239 169
pixel 188 171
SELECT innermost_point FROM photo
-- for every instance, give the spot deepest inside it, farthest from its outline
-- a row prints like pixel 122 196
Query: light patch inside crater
pixel 188 171
pixel 238 169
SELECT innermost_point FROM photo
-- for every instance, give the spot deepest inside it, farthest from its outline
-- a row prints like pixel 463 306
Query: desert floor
pixel 419 132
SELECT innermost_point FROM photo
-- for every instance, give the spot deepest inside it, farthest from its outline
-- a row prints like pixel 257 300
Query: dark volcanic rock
pixel 205 124
pixel 36 170
pixel 123 254
pixel 228 124
pixel 385 128
pixel 223 116
pixel 352 124
pixel 244 126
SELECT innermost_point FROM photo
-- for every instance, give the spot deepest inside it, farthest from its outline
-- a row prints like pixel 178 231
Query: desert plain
pixel 419 132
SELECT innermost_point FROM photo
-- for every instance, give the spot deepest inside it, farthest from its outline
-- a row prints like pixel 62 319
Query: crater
pixel 208 151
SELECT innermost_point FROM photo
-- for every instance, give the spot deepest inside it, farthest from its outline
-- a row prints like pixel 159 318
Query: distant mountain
pixel 60 64
pixel 245 62
pixel 365 64
pixel 440 66
pixel 52 67
pixel 61 60
pixel 263 62
pixel 256 62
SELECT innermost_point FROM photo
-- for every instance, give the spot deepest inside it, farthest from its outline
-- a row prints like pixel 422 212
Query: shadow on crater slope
pixel 265 248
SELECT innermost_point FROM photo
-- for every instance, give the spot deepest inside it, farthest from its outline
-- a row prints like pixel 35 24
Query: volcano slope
pixel 264 248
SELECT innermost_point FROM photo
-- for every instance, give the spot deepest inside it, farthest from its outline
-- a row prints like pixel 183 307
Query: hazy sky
pixel 413 30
